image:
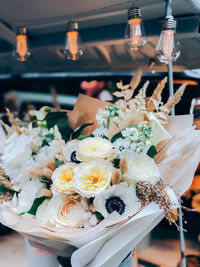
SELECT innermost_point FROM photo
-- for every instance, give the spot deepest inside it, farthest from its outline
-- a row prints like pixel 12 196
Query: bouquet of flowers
pixel 99 175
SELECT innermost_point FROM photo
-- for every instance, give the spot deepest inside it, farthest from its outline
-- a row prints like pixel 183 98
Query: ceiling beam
pixel 7 34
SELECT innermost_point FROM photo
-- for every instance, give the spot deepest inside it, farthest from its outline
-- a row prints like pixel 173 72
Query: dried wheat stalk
pixel 14 122
pixel 172 101
pixel 156 93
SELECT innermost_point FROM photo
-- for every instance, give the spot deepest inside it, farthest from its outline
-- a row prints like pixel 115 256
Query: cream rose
pixel 62 178
pixel 94 148
pixel 68 212
pixel 92 177
pixel 140 168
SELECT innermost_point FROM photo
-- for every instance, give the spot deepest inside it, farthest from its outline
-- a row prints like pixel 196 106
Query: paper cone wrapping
pixel 108 243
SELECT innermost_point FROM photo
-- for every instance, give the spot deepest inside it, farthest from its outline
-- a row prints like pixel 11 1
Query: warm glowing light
pixel 188 82
pixel 22 52
pixel 168 42
pixel 22 47
pixel 73 49
pixel 135 33
pixel 134 29
pixel 73 43
pixel 166 50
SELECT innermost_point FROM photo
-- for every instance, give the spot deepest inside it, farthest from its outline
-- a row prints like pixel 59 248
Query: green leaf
pixel 76 133
pixel 81 137
pixel 22 213
pixel 99 216
pixel 116 163
pixel 152 151
pixel 132 125
pixel 4 189
pixel 58 162
pixel 116 136
pixel 37 202
pixel 119 134
pixel 61 120
pixel 44 180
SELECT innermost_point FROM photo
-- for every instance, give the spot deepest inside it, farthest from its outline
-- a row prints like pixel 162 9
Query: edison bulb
pixel 22 51
pixel 73 49
pixel 167 49
pixel 134 29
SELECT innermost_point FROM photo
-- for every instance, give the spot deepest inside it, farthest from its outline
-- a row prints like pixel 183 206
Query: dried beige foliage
pixel 172 101
pixel 14 122
pixel 156 93
pixel 116 177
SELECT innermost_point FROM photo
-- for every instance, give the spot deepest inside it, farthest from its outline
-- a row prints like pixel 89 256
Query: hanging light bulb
pixel 22 52
pixel 134 29
pixel 73 49
pixel 166 50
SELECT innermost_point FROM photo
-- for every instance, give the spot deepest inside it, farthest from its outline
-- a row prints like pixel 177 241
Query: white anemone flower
pixel 120 198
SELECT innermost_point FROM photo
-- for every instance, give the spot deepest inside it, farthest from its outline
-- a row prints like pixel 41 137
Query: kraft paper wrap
pixel 108 243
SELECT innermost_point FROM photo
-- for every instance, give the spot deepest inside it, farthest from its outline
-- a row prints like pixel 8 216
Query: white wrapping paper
pixel 108 243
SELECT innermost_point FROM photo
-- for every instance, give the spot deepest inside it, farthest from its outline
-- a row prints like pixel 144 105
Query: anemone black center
pixel 73 157
pixel 115 204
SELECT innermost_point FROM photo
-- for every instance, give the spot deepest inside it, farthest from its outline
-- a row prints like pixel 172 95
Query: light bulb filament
pixel 136 37
pixel 168 42
pixel 22 47
pixel 73 43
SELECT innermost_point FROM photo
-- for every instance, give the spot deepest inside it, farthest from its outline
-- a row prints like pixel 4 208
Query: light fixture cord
pixel 168 13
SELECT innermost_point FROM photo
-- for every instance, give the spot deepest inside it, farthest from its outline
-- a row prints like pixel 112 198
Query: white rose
pixel 140 168
pixel 16 159
pixel 42 212
pixel 70 147
pixel 62 178
pixel 121 198
pixel 92 177
pixel 94 148
pixel 68 212
pixel 30 191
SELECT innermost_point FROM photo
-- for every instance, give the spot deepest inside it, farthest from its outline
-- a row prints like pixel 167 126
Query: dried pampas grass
pixel 172 101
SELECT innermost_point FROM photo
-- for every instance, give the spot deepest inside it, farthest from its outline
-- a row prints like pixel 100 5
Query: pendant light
pixel 166 49
pixel 134 29
pixel 22 50
pixel 73 47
